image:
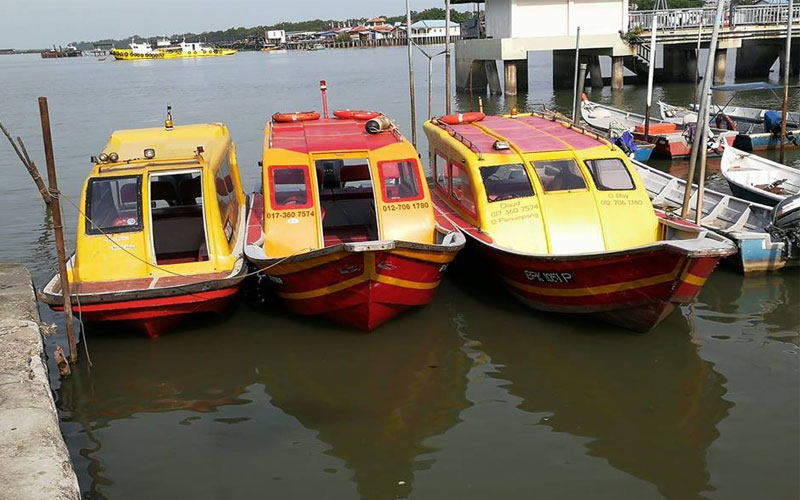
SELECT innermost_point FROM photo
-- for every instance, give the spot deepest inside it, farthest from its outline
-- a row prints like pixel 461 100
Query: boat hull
pixel 643 152
pixel 154 316
pixel 635 291
pixel 751 195
pixel 676 145
pixel 127 55
pixel 359 287
pixel 763 142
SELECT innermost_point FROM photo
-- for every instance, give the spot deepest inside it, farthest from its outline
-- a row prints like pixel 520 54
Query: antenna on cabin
pixel 168 124
pixel 323 88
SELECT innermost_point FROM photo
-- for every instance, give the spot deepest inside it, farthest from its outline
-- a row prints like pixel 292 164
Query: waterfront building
pixel 433 28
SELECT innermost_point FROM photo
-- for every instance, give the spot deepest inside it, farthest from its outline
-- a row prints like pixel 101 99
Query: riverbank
pixel 34 462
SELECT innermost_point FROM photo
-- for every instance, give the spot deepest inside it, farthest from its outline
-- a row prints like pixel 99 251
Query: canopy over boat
pixel 750 86
pixel 164 219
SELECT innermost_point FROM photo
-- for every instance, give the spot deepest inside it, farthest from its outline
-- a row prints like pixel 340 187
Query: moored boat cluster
pixel 346 226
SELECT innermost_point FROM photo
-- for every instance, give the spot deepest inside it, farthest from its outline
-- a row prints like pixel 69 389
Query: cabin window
pixel 461 188
pixel 113 205
pixel 226 196
pixel 440 172
pixel 559 175
pixel 176 207
pixel 289 187
pixel 347 200
pixel 399 180
pixel 506 182
pixel 610 174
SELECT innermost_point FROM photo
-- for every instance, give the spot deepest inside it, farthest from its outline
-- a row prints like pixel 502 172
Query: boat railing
pixel 556 116
pixel 454 134
pixel 145 163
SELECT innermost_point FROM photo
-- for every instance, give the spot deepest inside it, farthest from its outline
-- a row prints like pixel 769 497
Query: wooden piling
pixel 58 227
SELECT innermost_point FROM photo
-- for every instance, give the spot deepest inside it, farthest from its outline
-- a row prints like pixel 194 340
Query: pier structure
pixel 608 29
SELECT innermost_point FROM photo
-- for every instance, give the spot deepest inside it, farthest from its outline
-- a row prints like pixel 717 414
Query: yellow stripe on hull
pixel 128 56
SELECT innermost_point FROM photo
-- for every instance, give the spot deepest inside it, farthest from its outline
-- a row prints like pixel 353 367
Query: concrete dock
pixel 34 462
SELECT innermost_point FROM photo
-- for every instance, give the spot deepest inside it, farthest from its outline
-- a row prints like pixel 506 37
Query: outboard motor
pixel 785 224
pixel 772 123
pixel 626 143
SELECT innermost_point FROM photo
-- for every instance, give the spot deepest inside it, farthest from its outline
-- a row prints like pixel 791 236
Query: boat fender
pixel 462 118
pixel 302 116
pixel 727 120
pixel 355 114
pixel 584 97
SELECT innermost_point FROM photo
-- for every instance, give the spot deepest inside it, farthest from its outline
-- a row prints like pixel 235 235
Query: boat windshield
pixel 506 182
pixel 610 174
pixel 559 175
pixel 113 205
pixel 347 200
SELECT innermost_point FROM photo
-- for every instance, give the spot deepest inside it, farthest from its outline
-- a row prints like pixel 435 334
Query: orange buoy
pixel 723 119
pixel 355 114
pixel 302 116
pixel 462 118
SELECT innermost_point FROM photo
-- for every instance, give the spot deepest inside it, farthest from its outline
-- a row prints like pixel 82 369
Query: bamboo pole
pixel 58 227
pixel 650 75
pixel 447 89
pixel 697 62
pixel 581 81
pixel 411 76
pixel 575 86
pixel 700 139
pixel 22 153
pixel 787 70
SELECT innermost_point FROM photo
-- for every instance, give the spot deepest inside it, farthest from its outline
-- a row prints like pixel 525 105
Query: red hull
pixel 636 291
pixel 363 289
pixel 675 145
pixel 154 316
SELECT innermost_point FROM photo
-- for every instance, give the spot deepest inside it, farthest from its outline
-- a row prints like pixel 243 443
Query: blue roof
pixel 437 23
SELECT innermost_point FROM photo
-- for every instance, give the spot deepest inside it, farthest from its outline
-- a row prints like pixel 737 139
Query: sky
pixel 27 24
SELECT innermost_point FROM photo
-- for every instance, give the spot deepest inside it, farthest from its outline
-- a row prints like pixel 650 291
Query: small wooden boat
pixel 758 179
pixel 757 129
pixel 565 221
pixel 345 227
pixel 163 234
pixel 746 223
pixel 672 140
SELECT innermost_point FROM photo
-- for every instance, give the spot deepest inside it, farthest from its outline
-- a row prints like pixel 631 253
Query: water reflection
pixel 650 404
pixel 366 402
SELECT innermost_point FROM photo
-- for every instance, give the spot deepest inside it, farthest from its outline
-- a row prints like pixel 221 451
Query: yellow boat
pixel 564 218
pixel 163 231
pixel 143 51
pixel 345 227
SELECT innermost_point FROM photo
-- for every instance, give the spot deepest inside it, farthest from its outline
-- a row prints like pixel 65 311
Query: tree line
pixel 257 32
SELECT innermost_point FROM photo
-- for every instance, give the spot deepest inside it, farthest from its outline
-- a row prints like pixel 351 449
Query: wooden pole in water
pixel 700 144
pixel 697 62
pixel 411 76
pixel 581 81
pixel 650 75
pixel 787 70
pixel 575 86
pixel 447 89
pixel 58 227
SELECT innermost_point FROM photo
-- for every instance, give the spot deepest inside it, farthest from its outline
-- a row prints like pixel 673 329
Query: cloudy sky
pixel 42 23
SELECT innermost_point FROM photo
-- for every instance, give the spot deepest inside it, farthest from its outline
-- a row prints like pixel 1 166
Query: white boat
pixel 758 179
pixel 746 223
pixel 679 114
pixel 671 139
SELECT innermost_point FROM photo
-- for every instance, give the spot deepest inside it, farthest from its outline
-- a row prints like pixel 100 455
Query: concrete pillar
pixel 516 76
pixel 563 69
pixel 493 77
pixel 720 66
pixel 617 72
pixel 680 63
pixel 471 75
pixel 794 68
pixel 755 58
pixel 511 77
pixel 595 72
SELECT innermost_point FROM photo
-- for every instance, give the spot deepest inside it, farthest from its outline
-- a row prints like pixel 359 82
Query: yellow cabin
pixel 328 181
pixel 161 202
pixel 536 185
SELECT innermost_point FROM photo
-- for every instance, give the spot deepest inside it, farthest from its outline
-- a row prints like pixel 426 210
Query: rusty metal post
pixel 787 65
pixel 447 91
pixel 58 227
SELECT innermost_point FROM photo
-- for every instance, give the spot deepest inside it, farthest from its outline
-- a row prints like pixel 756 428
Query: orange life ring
pixel 355 114
pixel 729 123
pixel 461 118
pixel 302 116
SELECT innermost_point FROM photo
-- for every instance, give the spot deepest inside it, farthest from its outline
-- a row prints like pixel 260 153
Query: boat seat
pixel 129 193
pixel 190 191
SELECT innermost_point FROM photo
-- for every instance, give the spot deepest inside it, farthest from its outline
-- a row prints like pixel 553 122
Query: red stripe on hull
pixel 155 316
pixel 636 291
pixel 383 285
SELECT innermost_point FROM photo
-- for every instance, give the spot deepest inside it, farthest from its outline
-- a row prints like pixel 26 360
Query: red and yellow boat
pixel 345 226
pixel 163 231
pixel 564 219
